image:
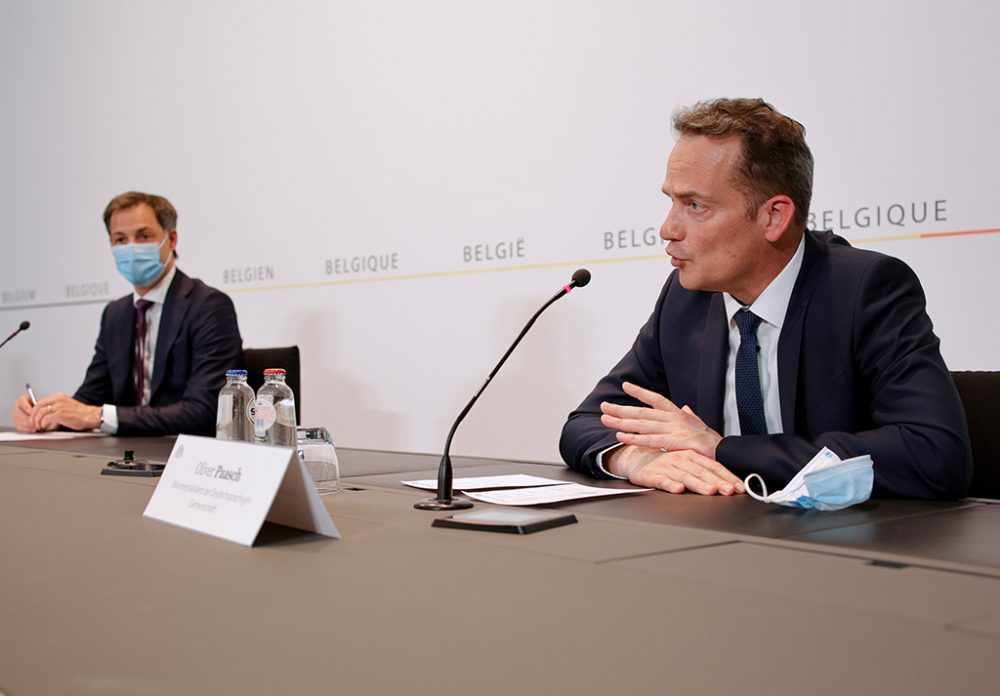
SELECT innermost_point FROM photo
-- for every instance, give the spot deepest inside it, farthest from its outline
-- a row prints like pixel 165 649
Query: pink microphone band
pixel 568 288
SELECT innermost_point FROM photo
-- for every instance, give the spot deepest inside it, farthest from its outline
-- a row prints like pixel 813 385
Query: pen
pixel 31 394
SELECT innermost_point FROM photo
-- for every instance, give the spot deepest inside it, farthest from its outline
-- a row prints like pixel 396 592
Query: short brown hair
pixel 164 211
pixel 775 158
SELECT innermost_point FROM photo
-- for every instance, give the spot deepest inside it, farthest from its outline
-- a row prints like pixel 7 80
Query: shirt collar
pixel 772 304
pixel 158 294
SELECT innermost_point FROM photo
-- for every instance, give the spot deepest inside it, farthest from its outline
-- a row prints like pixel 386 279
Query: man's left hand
pixel 660 426
pixel 62 410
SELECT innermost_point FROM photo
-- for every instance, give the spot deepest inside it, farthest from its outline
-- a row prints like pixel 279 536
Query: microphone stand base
pixel 438 504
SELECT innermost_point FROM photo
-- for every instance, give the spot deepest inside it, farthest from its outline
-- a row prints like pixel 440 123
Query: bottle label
pixel 264 415
pixel 252 412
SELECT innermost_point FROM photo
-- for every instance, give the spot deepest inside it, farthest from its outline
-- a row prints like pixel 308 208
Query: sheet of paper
pixel 550 494
pixel 53 435
pixel 474 483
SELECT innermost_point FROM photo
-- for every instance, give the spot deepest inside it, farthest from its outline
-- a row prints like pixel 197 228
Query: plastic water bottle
pixel 274 411
pixel 232 420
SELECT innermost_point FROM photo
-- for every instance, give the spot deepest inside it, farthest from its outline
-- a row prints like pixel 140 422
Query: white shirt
pixel 771 306
pixel 157 295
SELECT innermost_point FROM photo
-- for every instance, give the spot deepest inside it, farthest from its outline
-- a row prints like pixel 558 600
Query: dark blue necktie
pixel 749 403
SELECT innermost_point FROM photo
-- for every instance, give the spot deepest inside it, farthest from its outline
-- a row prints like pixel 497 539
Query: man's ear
pixel 172 243
pixel 778 212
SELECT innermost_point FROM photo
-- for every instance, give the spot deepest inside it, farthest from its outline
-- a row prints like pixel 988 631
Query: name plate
pixel 228 489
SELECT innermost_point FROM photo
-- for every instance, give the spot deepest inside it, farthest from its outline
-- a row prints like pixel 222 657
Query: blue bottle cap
pixel 236 373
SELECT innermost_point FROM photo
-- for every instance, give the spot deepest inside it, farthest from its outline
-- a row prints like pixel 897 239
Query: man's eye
pixel 695 205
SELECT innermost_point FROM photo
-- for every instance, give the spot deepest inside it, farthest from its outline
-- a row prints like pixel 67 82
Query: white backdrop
pixel 469 156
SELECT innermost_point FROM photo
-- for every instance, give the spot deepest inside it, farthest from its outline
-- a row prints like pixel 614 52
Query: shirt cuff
pixel 600 462
pixel 109 419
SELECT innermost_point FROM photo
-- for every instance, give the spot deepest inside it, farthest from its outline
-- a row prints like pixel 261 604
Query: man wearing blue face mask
pixel 162 352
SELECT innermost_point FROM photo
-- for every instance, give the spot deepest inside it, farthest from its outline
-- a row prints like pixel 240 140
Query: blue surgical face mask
pixel 825 483
pixel 140 263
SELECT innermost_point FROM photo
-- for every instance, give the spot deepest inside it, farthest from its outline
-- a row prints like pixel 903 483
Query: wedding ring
pixel 50 408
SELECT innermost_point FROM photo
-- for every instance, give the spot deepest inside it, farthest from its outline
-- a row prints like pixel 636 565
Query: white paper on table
pixel 50 435
pixel 550 494
pixel 473 483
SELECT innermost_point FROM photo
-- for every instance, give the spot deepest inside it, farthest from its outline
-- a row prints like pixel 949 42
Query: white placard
pixel 228 489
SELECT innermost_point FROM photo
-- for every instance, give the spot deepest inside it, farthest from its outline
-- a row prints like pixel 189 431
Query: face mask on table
pixel 825 483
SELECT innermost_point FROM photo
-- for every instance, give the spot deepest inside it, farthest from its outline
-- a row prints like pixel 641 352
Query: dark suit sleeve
pixel 583 435
pixel 213 345
pixel 96 388
pixel 908 412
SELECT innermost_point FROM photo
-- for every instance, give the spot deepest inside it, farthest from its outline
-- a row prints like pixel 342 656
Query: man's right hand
pixel 674 472
pixel 22 415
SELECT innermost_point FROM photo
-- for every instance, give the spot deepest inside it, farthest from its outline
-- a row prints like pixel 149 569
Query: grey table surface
pixel 646 594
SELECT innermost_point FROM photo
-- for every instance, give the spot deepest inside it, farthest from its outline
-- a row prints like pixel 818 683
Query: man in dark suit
pixel 768 341
pixel 162 352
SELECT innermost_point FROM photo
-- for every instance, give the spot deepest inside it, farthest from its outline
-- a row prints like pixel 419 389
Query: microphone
pixel 444 499
pixel 23 327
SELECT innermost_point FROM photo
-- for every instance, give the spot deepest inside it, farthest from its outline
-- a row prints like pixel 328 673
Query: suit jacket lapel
pixel 174 309
pixel 712 370
pixel 790 342
pixel 121 355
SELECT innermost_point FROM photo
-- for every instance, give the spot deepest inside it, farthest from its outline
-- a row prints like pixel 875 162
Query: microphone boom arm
pixel 445 500
pixel 23 327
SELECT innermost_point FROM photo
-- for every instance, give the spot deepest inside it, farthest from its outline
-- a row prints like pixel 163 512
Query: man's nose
pixel 670 230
